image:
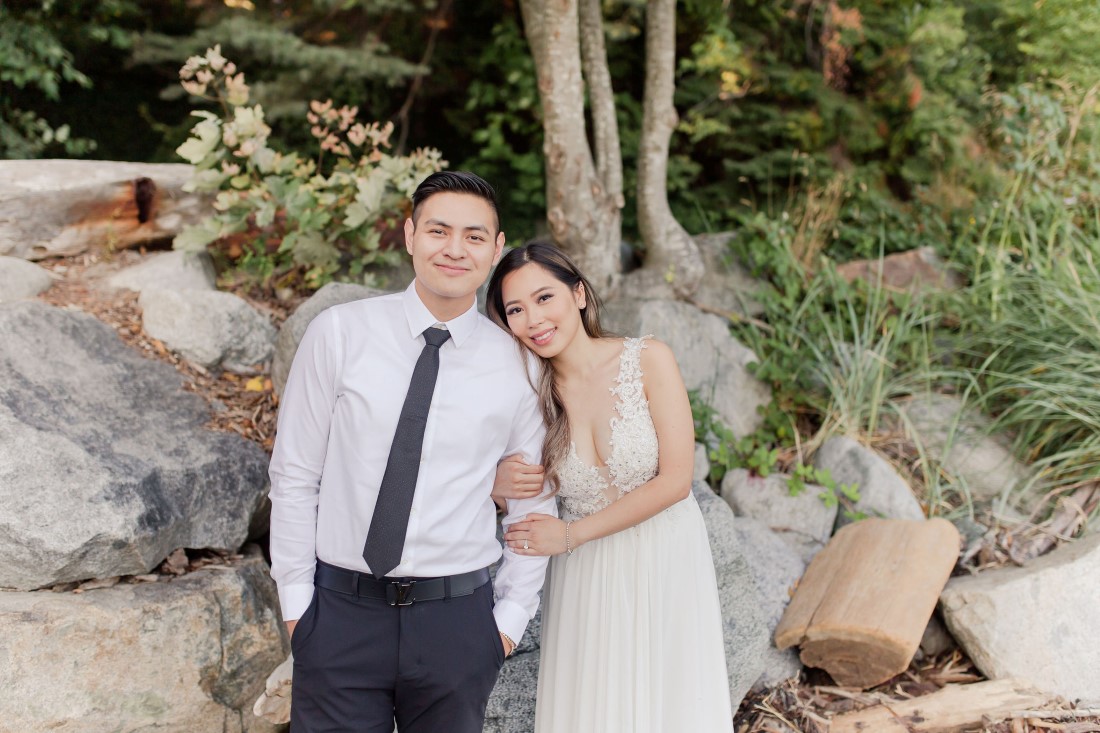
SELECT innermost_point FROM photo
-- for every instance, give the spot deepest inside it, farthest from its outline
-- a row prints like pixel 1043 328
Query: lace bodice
pixel 633 457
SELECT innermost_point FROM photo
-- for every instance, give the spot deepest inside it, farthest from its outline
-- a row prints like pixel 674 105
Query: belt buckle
pixel 399 592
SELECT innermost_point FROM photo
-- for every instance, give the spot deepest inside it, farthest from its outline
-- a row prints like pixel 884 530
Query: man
pixel 380 537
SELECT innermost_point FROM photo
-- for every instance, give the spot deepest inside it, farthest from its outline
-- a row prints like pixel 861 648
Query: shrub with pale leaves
pixel 322 217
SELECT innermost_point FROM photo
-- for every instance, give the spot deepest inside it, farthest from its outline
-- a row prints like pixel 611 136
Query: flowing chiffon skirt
pixel 632 634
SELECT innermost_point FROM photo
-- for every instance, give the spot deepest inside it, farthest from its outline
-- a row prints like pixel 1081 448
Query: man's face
pixel 454 244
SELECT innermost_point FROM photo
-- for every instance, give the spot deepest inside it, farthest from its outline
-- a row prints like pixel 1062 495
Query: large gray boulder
pixel 20 279
pixel 55 208
pixel 882 492
pixel 1037 623
pixel 727 285
pixel 292 330
pixel 775 568
pixel 747 637
pixel 961 441
pixel 167 271
pixel 105 466
pixel 804 522
pixel 711 360
pixel 208 327
pixel 511 707
pixel 182 656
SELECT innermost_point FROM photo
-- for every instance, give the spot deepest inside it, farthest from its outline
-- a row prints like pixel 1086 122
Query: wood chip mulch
pixel 242 404
pixel 807 704
pixel 179 562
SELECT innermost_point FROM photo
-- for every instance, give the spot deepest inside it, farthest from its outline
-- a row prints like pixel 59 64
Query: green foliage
pixel 724 449
pixel 831 351
pixel 299 51
pixel 282 214
pixel 1051 41
pixel 502 107
pixel 36 66
pixel 758 454
pixel 1020 343
pixel 1029 347
pixel 833 494
pixel 778 99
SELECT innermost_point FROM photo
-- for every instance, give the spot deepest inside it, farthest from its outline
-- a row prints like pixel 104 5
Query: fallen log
pixel 863 604
pixel 58 208
pixel 954 708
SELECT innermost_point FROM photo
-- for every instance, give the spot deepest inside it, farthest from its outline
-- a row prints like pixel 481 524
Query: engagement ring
pixel 525 545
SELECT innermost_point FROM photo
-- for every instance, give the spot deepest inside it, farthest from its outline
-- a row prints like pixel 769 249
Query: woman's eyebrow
pixel 544 287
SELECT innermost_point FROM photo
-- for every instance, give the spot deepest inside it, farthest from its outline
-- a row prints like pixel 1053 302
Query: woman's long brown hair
pixel 555 446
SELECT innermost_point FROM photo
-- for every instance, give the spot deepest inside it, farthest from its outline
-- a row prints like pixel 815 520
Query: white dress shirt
pixel 337 419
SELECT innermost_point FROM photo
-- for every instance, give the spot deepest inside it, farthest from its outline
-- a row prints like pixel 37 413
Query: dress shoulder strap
pixel 628 386
pixel 632 354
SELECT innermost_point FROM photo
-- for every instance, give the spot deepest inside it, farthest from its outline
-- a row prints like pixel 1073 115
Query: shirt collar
pixel 420 318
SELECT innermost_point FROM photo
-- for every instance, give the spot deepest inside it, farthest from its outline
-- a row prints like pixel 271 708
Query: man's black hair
pixel 455 182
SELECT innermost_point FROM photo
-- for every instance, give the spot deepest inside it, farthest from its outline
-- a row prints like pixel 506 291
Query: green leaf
pixel 195 237
pixel 355 214
pixel 265 214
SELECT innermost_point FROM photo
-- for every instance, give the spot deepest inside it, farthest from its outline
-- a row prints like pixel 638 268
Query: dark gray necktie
pixel 386 536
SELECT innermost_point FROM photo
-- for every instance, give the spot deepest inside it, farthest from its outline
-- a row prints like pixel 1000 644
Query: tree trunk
pixel 601 98
pixel 672 260
pixel 583 211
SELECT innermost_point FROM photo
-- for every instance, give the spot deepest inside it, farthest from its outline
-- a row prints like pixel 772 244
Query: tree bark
pixel 601 99
pixel 952 708
pixel 672 259
pixel 583 213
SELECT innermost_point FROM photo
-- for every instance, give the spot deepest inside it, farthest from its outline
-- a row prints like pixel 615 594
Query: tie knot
pixel 436 336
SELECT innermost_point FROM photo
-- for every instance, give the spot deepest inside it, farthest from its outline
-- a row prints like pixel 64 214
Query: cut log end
pixel 858 662
pixel 862 606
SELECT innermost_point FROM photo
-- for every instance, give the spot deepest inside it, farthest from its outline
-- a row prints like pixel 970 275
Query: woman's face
pixel 541 310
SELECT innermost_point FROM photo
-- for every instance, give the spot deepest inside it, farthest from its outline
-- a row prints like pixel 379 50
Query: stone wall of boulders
pixel 106 468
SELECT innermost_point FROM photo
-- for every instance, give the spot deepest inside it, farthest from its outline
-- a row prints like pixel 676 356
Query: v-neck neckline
pixel 612 420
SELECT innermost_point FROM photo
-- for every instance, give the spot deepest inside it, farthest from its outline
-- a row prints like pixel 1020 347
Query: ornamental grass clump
pixel 285 219
pixel 1030 340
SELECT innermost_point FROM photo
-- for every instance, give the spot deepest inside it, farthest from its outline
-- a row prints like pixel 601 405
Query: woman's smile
pixel 543 337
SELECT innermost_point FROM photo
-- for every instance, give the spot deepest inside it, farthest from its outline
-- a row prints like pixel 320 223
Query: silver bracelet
pixel 568 548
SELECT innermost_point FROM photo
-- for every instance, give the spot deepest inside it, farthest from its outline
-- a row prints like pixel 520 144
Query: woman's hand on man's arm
pixel 516 480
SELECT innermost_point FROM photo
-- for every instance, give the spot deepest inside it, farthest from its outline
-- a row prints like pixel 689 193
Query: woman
pixel 632 633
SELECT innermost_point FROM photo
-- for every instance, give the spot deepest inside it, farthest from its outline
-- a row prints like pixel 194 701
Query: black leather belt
pixel 398 591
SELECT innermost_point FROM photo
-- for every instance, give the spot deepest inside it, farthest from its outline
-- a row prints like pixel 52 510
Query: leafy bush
pixel 280 214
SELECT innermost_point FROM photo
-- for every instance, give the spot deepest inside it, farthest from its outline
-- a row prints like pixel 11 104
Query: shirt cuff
pixel 295 599
pixel 510 618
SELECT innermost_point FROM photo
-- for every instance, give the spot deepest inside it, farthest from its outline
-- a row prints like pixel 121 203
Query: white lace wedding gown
pixel 632 631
